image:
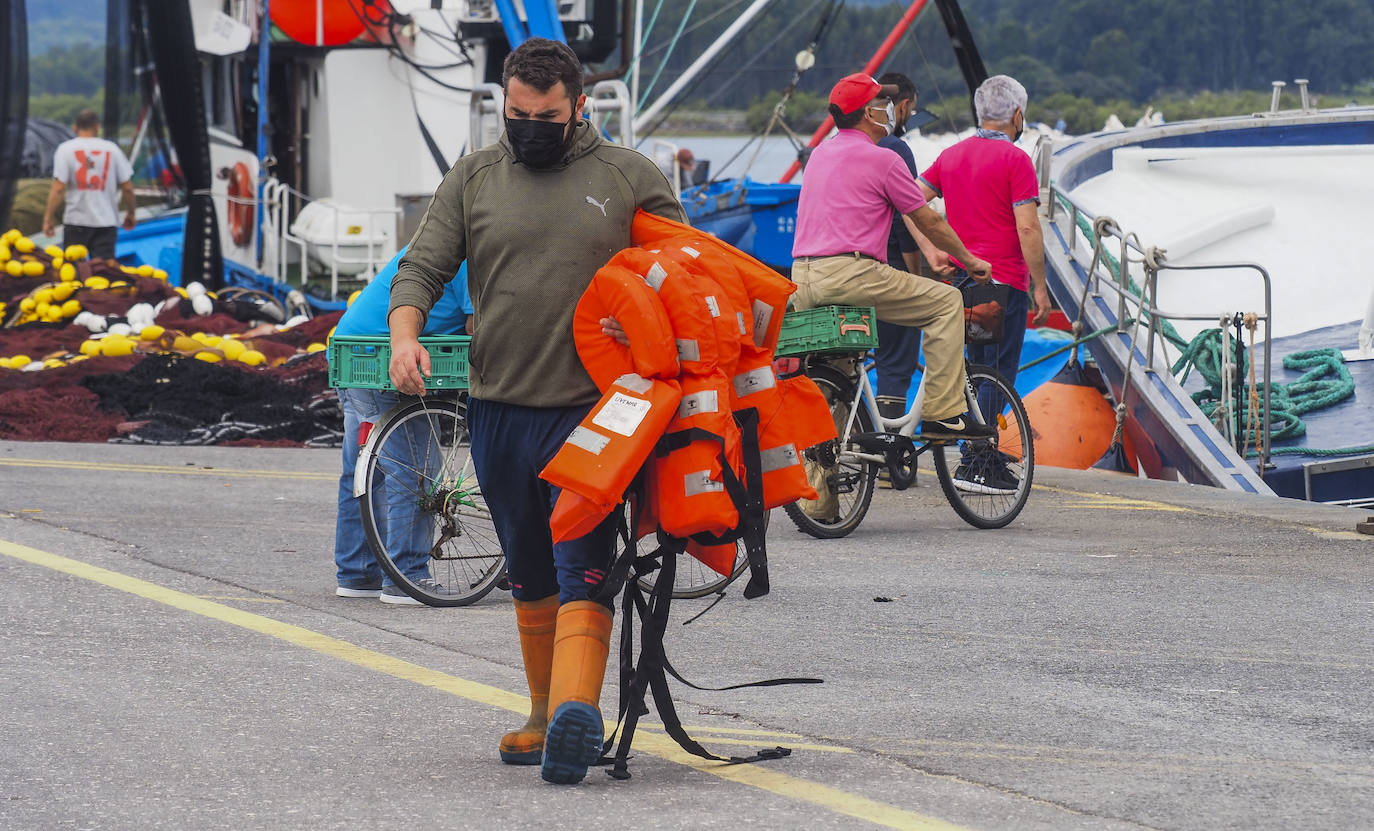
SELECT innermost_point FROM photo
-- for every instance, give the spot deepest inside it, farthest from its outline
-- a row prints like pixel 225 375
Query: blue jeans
pixel 510 445
pixel 408 534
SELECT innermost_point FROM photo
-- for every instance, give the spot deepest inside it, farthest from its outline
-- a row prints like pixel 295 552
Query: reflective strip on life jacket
pixel 603 453
pixel 687 482
pixel 618 292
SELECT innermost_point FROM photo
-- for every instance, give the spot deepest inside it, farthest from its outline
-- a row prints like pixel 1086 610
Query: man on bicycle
pixel 849 193
pixel 535 216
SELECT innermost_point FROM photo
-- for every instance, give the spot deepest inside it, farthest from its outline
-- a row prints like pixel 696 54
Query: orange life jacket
pixel 617 291
pixel 600 457
pixel 734 323
pixel 699 462
pixel 767 289
pixel 685 298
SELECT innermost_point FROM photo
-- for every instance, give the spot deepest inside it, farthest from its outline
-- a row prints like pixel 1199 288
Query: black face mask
pixel 538 144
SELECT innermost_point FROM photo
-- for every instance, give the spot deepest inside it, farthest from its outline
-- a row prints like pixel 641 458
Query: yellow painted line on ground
pixel 183 470
pixel 729 731
pixel 755 775
pixel 1102 501
pixel 238 598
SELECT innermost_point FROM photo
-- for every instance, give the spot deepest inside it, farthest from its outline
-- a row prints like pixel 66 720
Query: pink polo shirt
pixel 848 194
pixel 982 180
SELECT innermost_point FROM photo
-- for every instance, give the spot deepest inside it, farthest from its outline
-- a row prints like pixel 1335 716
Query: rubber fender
pixel 685 297
pixel 687 484
pixel 767 289
pixel 603 453
pixel 1072 422
pixel 616 291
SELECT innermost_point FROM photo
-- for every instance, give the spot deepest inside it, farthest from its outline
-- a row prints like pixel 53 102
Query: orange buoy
pixel 317 22
pixel 1072 422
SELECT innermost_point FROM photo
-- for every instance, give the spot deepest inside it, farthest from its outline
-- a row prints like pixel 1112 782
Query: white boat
pixel 1250 233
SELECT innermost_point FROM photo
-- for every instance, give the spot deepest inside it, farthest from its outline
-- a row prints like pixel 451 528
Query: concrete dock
pixel 1127 654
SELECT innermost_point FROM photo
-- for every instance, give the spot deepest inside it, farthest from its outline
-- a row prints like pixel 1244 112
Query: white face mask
pixel 891 111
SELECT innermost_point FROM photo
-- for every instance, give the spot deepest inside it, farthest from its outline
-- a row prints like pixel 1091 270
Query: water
pixel 777 152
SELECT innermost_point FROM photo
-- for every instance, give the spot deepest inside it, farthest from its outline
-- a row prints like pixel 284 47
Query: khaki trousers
pixel 900 297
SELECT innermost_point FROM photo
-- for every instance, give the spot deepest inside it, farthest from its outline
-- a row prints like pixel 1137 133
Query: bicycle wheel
pixel 422 507
pixel 844 482
pixel 990 478
pixel 694 578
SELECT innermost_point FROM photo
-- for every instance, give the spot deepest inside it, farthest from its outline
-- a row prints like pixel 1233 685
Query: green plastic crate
pixel 360 362
pixel 828 330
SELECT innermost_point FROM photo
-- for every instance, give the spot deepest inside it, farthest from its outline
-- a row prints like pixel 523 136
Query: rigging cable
pixel 672 44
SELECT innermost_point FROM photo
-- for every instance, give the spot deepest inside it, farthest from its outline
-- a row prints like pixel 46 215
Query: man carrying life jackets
pixel 535 216
pixel 848 196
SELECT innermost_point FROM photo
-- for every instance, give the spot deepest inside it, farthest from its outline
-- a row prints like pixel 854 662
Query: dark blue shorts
pixel 510 445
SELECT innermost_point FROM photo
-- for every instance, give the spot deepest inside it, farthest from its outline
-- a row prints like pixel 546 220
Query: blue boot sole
pixel 572 743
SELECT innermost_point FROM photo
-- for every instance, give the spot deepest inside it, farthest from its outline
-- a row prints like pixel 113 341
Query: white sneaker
pixel 394 595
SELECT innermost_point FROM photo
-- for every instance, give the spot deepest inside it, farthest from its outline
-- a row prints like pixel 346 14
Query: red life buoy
pixel 242 201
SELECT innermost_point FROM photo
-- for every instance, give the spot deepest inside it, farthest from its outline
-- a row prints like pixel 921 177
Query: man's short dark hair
pixel 846 121
pixel 87 120
pixel 906 90
pixel 542 63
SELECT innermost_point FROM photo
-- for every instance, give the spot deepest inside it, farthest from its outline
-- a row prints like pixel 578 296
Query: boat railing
pixel 281 202
pixel 1137 305
pixel 487 104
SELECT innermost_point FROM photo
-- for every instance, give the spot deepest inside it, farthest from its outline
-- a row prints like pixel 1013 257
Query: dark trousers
pixel 100 242
pixel 510 445
pixel 898 355
pixel 1005 355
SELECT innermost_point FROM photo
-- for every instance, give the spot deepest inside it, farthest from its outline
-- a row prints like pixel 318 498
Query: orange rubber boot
pixel 536 620
pixel 581 645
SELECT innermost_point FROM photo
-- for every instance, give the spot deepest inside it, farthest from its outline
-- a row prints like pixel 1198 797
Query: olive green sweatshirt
pixel 533 240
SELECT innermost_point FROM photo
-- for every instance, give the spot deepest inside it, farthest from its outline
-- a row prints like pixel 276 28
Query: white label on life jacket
pixel 699 482
pixel 589 440
pixel 763 314
pixel 655 276
pixel 777 458
pixel 688 350
pixel 755 380
pixel 743 327
pixel 695 253
pixel 622 414
pixel 713 305
pixel 703 401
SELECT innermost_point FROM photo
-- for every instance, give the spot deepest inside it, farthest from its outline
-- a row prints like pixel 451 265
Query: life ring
pixel 242 204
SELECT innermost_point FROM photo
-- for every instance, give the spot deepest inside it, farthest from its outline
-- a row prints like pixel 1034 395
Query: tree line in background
pixel 1079 59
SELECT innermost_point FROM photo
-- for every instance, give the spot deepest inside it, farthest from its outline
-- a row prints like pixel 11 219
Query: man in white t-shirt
pixel 90 172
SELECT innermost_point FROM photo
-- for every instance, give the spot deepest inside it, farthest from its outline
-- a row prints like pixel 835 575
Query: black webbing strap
pixel 648 674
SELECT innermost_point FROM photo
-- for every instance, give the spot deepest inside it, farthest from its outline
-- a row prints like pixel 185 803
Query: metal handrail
pixel 277 196
pixel 1145 303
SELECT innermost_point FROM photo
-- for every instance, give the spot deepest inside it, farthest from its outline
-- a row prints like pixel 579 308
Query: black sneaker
pixel 956 427
pixel 985 478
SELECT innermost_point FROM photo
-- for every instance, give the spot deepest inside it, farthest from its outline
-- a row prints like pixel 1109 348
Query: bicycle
pixel 990 479
pixel 419 452
pixel 420 449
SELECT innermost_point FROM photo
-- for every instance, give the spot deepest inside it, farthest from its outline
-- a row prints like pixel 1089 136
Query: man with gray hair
pixel 991 199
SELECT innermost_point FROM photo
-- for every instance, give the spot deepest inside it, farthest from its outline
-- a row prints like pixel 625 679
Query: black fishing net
pixel 172 399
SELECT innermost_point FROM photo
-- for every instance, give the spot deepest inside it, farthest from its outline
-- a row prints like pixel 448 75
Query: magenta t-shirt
pixel 848 194
pixel 981 180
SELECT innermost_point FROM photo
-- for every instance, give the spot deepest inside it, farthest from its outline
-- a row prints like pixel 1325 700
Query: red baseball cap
pixel 853 91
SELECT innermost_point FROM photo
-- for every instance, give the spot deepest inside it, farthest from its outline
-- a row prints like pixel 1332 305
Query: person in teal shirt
pixel 408 537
